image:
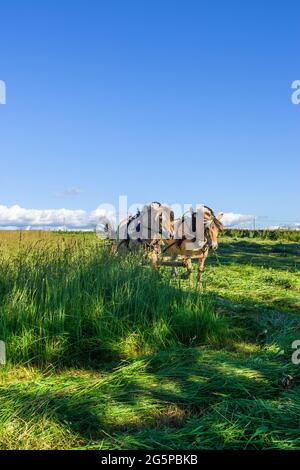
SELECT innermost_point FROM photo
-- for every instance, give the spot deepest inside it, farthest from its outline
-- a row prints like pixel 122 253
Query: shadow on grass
pixel 126 313
pixel 282 256
pixel 171 395
pixel 185 397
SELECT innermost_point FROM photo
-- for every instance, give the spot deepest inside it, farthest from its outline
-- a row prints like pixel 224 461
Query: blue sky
pixel 178 101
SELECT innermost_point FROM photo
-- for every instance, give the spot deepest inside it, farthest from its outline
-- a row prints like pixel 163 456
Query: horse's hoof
pixel 186 275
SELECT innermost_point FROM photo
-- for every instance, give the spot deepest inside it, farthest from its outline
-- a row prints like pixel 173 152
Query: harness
pixel 152 243
pixel 178 242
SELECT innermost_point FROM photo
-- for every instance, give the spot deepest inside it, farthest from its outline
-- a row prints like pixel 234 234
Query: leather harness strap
pixel 179 242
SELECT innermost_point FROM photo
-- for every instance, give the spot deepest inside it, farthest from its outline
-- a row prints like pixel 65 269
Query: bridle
pixel 152 244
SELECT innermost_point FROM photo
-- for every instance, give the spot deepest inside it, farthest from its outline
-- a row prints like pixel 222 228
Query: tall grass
pixel 144 362
pixel 66 300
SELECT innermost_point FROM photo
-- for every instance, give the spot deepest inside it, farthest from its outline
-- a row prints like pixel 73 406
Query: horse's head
pixel 212 227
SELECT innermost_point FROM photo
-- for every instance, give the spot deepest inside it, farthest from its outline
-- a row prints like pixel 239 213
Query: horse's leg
pixel 187 263
pixel 201 267
pixel 114 249
pixel 123 243
pixel 153 256
pixel 174 272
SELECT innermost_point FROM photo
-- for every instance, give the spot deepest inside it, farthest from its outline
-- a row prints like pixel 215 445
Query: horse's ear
pixel 220 216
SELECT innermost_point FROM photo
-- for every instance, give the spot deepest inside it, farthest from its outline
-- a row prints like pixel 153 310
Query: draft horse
pixel 184 246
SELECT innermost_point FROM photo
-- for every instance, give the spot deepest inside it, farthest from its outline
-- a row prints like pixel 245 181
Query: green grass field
pixel 105 353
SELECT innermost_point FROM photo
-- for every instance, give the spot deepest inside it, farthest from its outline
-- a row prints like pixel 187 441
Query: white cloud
pixel 231 219
pixel 16 216
pixel 55 219
pixel 70 192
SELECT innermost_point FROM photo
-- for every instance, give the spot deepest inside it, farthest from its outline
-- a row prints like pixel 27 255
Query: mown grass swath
pixel 105 353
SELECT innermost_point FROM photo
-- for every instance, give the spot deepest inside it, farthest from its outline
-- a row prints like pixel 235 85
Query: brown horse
pixel 185 246
pixel 145 230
